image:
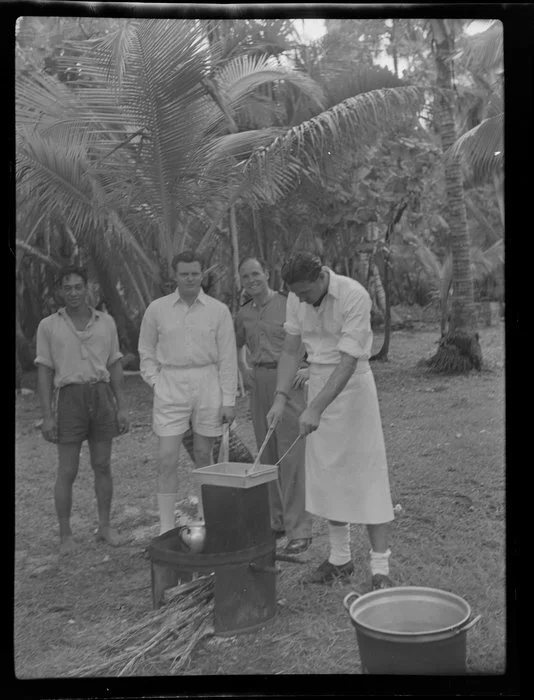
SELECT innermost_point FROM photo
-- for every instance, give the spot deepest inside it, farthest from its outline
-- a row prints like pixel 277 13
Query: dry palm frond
pixel 170 633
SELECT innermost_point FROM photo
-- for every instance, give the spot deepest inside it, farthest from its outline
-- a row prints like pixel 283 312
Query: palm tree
pixel 131 156
pixel 459 349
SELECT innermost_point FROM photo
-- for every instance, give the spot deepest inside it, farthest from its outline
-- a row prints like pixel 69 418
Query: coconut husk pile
pixel 166 636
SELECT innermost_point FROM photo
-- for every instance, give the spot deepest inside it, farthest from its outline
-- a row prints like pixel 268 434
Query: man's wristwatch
pixel 283 393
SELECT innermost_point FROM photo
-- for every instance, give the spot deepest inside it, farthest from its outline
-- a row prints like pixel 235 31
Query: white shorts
pixel 188 395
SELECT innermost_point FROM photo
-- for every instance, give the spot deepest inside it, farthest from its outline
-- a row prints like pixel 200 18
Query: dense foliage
pixel 139 138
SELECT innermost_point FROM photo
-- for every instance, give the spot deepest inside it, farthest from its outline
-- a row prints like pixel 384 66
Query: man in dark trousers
pixel 80 389
pixel 260 326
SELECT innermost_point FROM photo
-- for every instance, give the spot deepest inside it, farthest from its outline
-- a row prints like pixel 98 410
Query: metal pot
pixel 194 536
pixel 411 630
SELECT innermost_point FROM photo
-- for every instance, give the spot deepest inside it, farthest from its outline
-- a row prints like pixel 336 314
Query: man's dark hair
pixel 262 263
pixel 187 256
pixel 69 270
pixel 303 266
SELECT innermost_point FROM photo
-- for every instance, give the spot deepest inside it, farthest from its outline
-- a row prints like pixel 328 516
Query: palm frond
pixel 240 76
pixel 482 148
pixel 32 250
pixel 57 175
pixel 242 144
pixel 484 51
pixel 357 122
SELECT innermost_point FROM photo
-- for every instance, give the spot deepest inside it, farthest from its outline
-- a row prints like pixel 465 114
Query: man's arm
pixel 148 340
pixel 336 382
pixel 45 381
pixel 45 387
pixel 240 339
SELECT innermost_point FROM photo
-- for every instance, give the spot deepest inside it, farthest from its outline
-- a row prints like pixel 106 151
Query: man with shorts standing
pixel 260 326
pixel 188 355
pixel 346 469
pixel 80 389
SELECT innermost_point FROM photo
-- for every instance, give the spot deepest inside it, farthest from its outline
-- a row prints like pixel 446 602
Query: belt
pixel 266 365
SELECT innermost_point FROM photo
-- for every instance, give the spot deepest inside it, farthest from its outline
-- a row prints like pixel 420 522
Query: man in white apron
pixel 346 469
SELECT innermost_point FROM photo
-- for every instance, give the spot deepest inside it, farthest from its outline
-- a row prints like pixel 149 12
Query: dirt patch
pixel 445 443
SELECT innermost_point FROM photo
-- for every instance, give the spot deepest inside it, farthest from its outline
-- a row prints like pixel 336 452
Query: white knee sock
pixel 166 502
pixel 380 562
pixel 339 536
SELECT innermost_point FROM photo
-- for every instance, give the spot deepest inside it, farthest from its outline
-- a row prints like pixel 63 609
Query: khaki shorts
pixel 188 395
pixel 86 412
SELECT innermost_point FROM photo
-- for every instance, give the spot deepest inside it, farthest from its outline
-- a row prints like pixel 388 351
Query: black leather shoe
pixel 380 581
pixel 328 573
pixel 298 546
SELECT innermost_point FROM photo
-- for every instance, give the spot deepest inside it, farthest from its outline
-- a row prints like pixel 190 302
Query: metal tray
pixel 235 474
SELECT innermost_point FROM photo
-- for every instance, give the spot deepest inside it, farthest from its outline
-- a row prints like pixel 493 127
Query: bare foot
pixel 109 535
pixel 66 545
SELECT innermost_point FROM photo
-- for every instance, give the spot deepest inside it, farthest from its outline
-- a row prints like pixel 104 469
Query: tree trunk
pixel 459 349
pixel 235 260
pixel 258 232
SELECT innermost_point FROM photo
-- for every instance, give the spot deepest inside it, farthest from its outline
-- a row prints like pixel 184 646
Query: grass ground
pixel 445 442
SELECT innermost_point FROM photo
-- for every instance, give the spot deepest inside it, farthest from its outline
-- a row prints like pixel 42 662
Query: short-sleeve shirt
pixel 341 323
pixel 261 328
pixel 77 356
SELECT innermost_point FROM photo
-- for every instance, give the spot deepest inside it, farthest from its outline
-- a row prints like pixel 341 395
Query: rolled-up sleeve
pixel 43 349
pixel 356 335
pixel 148 340
pixel 292 323
pixel 114 351
pixel 227 362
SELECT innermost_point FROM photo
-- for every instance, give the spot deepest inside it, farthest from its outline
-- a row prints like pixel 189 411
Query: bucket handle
pixel 224 450
pixel 469 624
pixel 346 603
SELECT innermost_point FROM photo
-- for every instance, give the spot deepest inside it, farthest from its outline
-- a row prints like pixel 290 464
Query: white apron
pixel 346 468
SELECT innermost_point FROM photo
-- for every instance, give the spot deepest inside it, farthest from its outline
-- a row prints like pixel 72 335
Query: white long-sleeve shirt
pixel 174 334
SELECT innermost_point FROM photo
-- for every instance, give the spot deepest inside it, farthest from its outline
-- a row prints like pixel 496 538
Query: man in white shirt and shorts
pixel 188 355
pixel 346 469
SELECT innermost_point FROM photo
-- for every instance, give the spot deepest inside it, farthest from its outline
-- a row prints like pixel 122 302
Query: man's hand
pixel 122 420
pixel 228 414
pixel 277 410
pixel 301 378
pixel 49 430
pixel 309 420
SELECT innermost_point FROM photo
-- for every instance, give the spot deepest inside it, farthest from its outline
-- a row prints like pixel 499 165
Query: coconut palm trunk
pixel 459 349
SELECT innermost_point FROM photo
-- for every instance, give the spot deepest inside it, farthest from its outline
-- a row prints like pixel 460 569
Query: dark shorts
pixel 86 412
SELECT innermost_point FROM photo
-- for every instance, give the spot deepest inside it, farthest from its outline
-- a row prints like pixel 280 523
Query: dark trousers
pixel 287 495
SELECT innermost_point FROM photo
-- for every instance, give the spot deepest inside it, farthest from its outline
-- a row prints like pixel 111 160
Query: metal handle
pixel 346 603
pixel 224 450
pixel 264 443
pixel 289 449
pixel 469 624
pixel 264 569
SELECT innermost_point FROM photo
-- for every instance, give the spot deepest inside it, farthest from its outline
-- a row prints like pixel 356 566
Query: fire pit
pixel 240 550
